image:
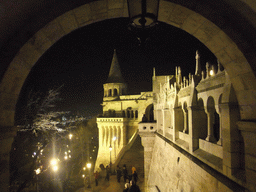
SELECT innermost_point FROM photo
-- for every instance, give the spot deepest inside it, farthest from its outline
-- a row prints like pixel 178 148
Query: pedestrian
pixel 133 169
pixel 96 176
pixel 125 173
pixel 107 173
pixel 126 187
pixel 135 176
pixel 118 173
pixel 133 187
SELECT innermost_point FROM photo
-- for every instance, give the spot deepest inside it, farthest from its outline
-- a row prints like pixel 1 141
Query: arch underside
pixel 221 45
pixel 228 35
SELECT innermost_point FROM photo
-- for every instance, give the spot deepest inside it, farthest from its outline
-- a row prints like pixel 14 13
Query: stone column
pixel 185 114
pixel 220 125
pixel 123 136
pixel 147 141
pixel 109 135
pixel 101 137
pixel 193 126
pixel 164 123
pixel 232 140
pixel 175 124
pixel 210 118
pixel 158 119
pixel 7 135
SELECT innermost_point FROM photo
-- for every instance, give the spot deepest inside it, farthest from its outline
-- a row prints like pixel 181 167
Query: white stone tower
pixel 118 125
pixel 115 85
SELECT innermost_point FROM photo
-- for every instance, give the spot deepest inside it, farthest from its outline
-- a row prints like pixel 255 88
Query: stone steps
pixel 134 157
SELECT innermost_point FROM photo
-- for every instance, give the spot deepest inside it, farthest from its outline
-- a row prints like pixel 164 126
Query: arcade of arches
pixel 28 30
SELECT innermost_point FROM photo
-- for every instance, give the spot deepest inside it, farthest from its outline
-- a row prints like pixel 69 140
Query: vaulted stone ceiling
pixel 20 20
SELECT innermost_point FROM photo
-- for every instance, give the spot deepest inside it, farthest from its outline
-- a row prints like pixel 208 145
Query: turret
pixel 115 84
pixel 198 65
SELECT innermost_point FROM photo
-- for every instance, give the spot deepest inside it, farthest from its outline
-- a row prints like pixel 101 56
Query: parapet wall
pixel 173 169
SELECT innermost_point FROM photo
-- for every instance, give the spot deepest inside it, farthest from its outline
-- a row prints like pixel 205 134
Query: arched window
pixel 136 114
pixel 132 114
pixel 128 113
pixel 149 113
pixel 123 113
pixel 109 92
pixel 185 114
pixel 203 120
pixel 115 92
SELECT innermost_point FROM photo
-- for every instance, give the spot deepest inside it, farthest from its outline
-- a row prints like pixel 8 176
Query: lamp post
pixel 110 149
pixel 143 17
pixel 89 165
pixel 38 171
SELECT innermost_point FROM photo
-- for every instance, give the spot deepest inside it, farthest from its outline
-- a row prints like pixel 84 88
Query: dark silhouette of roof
pixel 115 75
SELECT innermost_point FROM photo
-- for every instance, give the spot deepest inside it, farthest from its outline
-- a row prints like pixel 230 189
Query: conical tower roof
pixel 115 75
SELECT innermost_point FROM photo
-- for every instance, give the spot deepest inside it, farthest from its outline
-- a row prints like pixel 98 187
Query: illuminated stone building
pixel 190 113
pixel 196 116
pixel 121 115
pixel 227 28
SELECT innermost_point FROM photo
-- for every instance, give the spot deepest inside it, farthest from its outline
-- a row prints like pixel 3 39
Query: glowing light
pixel 110 148
pixel 83 175
pixel 69 156
pixel 54 162
pixel 88 165
pixel 211 72
pixel 70 136
pixel 114 138
pixel 69 151
pixel 66 157
pixel 84 168
pixel 38 171
pixel 55 168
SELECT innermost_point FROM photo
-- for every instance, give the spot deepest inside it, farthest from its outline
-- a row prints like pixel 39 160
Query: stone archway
pixel 225 49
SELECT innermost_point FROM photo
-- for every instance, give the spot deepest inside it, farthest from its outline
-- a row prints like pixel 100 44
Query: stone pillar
pixel 175 124
pixel 159 122
pixel 193 126
pixel 109 136
pixel 123 136
pixel 185 114
pixel 7 135
pixel 210 118
pixel 164 119
pixel 147 141
pixel 220 125
pixel 101 137
pixel 233 162
pixel 248 130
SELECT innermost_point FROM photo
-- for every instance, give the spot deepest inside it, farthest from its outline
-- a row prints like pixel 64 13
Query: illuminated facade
pixel 118 125
pixel 195 144
pixel 195 115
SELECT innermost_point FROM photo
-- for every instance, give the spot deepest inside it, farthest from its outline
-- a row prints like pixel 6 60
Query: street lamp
pixel 110 149
pixel 89 165
pixel 38 171
pixel 54 163
pixel 143 17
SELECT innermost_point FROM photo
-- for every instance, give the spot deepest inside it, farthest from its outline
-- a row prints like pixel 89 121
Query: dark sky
pixel 81 61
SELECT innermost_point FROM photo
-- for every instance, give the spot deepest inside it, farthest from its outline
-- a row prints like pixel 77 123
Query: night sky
pixel 81 61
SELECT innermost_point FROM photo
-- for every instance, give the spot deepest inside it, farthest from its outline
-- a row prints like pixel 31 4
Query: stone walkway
pixel 110 186
pixel 133 157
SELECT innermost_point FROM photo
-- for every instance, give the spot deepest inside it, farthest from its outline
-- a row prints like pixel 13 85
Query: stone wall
pixel 173 170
